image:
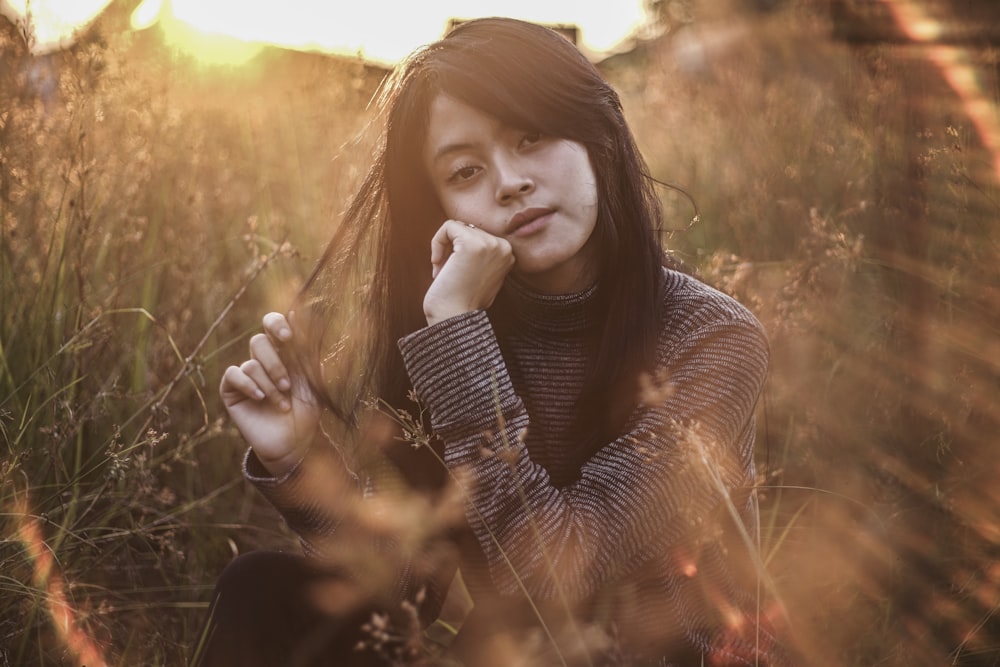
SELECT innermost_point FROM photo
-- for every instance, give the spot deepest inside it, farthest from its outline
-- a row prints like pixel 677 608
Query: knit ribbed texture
pixel 314 497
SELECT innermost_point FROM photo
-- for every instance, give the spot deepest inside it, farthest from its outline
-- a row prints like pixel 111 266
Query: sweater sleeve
pixel 314 497
pixel 686 447
pixel 324 503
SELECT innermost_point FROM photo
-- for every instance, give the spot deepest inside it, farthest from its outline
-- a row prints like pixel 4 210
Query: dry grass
pixel 843 196
pixel 846 197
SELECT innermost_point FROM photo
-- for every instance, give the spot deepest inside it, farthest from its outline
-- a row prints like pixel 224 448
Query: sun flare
pixel 46 577
pixel 232 31
pixel 53 22
pixel 205 38
pixel 957 70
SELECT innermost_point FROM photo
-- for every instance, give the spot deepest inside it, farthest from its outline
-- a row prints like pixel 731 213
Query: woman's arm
pixel 301 472
pixel 291 460
pixel 645 492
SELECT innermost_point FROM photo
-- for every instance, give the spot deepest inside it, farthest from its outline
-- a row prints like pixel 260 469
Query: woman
pixel 595 408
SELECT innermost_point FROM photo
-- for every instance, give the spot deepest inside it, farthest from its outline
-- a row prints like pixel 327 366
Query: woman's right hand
pixel 274 409
pixel 468 267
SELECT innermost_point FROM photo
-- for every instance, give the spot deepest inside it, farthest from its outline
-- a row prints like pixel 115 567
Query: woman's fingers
pixel 249 381
pixel 254 370
pixel 237 386
pixel 443 241
pixel 455 236
pixel 278 327
pixel 264 375
pixel 449 238
pixel 262 350
pixel 469 266
pixel 441 247
pixel 277 422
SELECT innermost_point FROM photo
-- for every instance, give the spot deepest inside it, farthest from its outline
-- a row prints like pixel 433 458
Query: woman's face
pixel 536 191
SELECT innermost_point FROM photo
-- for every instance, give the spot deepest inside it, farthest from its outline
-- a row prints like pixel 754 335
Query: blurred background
pixel 167 176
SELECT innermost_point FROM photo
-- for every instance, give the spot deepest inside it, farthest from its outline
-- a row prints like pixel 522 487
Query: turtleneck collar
pixel 562 314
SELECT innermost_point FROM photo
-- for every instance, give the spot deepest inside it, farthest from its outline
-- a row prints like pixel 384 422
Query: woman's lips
pixel 529 221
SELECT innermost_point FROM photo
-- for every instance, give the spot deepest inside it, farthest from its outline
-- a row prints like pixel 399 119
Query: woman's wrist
pixel 436 311
pixel 280 466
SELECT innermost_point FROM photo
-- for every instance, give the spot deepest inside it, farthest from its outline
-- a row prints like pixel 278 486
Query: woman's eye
pixel 462 174
pixel 530 138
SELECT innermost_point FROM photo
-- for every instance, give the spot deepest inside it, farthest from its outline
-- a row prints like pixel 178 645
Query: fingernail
pixel 285 333
pixel 284 406
pixel 258 394
pixel 284 384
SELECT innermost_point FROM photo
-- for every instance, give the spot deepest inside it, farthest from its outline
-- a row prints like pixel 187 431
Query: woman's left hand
pixel 468 266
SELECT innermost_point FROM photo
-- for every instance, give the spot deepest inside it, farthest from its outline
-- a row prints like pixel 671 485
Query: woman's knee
pixel 264 575
pixel 269 608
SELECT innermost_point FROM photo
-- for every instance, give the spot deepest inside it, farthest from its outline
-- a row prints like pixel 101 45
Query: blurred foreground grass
pixel 152 209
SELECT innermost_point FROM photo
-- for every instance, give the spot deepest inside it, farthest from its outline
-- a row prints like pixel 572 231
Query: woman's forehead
pixel 514 103
pixel 453 125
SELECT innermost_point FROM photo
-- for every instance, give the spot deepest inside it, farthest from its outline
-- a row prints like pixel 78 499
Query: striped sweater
pixel 634 536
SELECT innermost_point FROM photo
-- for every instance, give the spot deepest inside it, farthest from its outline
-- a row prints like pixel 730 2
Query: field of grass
pixel 151 209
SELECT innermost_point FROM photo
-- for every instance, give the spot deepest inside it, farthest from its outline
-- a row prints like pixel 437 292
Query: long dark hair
pixel 529 78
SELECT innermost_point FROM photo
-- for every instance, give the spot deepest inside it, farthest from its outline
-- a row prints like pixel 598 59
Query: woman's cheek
pixel 473 205
pixel 463 210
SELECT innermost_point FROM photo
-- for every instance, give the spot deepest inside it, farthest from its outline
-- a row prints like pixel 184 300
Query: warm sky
pixel 383 30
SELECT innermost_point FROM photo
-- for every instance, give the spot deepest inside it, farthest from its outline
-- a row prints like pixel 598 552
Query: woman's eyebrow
pixel 456 147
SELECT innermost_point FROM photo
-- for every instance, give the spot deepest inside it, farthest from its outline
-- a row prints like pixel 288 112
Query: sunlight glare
pixel 49 582
pixel 383 31
pixel 146 14
pixel 209 39
pixel 386 31
pixel 953 64
pixel 54 21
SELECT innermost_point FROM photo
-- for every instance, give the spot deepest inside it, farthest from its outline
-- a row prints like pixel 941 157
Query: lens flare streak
pixel 953 63
pixel 46 578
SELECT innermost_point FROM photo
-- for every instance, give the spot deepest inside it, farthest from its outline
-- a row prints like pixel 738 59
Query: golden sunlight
pixel 54 21
pixel 201 38
pixel 387 31
pixel 147 14
pixel 223 30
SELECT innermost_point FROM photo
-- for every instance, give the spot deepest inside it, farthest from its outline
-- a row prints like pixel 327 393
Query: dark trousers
pixel 272 609
pixel 276 609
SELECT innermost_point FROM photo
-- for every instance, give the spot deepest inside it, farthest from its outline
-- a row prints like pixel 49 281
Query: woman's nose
pixel 512 184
